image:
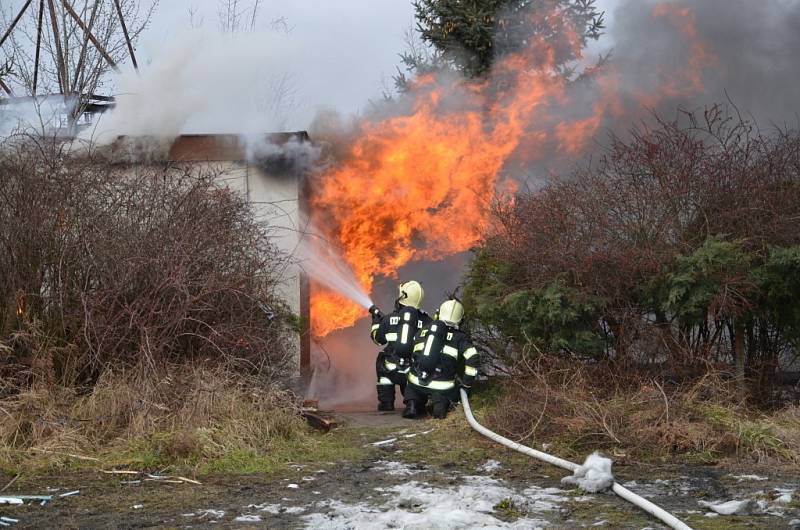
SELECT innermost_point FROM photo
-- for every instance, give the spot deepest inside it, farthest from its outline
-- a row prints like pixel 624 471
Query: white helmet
pixel 411 294
pixel 451 312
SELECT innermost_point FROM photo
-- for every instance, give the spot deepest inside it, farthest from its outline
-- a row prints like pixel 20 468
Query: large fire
pixel 418 185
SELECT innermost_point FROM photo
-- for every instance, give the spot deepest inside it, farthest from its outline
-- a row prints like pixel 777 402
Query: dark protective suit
pixel 444 360
pixel 397 331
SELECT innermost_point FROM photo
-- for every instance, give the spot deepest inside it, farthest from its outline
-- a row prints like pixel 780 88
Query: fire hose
pixel 654 510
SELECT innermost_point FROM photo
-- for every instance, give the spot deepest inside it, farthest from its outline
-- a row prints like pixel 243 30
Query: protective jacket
pixel 397 331
pixel 444 358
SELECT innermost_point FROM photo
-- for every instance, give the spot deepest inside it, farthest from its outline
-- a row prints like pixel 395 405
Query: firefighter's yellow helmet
pixel 411 294
pixel 451 312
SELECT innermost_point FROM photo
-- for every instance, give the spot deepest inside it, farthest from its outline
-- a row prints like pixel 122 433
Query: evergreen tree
pixel 469 35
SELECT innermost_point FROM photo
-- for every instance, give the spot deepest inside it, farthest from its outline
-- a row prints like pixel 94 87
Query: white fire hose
pixel 666 517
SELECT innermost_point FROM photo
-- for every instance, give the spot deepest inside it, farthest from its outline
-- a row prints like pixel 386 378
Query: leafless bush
pixel 121 267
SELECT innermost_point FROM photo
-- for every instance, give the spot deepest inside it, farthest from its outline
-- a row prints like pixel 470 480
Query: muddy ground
pixel 419 474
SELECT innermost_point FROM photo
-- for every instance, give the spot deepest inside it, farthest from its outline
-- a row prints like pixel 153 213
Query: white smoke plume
pixel 43 115
pixel 206 82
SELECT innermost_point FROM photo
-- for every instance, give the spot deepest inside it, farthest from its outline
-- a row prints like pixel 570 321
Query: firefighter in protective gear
pixel 444 361
pixel 397 332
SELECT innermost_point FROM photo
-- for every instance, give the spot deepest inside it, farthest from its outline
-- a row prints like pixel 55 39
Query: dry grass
pixel 581 409
pixel 189 415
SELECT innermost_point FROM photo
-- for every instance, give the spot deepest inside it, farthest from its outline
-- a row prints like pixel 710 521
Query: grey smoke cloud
pixel 755 46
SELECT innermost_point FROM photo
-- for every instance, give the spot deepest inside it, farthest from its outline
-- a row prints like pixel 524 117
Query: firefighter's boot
pixel 411 409
pixel 439 409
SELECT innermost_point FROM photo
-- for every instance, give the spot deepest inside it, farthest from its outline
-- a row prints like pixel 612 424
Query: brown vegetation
pixel 129 295
pixel 678 249
pixel 701 422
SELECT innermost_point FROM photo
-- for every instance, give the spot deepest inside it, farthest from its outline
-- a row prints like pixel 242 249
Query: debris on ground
pixel 320 420
pixel 168 479
pixel 384 442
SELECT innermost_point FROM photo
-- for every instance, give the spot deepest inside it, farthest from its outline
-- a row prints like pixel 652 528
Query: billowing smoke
pixel 752 52
pixel 207 82
pixel 44 115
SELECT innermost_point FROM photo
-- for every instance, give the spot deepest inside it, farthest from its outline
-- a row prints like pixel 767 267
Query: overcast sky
pixel 328 36
pixel 348 48
pixel 329 32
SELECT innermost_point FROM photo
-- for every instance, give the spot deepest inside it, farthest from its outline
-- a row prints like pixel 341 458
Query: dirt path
pixel 420 474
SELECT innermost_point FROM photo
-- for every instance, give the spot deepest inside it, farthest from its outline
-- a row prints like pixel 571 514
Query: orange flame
pixel 418 186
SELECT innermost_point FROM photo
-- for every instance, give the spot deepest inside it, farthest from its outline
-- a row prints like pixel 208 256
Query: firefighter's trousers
pixel 440 400
pixel 391 371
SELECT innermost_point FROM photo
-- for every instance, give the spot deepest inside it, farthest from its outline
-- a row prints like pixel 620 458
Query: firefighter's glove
pixel 376 314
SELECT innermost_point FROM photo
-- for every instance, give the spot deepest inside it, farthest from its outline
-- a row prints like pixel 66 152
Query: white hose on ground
pixel 666 517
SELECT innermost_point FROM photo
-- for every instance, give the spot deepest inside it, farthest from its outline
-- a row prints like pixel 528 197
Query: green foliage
pixel 715 277
pixel 779 282
pixel 471 34
pixel 555 317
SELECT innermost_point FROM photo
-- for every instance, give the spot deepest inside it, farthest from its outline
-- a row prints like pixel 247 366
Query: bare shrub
pixel 134 299
pixel 110 266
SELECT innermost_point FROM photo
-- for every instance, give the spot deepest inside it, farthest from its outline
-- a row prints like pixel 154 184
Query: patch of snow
pixel 218 514
pixel 784 495
pixel 742 478
pixel 293 486
pixel 419 505
pixel 295 509
pixel 248 519
pixel 490 466
pixel 728 508
pixel 269 508
pixel 593 476
pixel 308 479
pixel 394 468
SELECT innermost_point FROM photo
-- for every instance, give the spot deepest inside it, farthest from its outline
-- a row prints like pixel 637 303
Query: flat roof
pixel 199 147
